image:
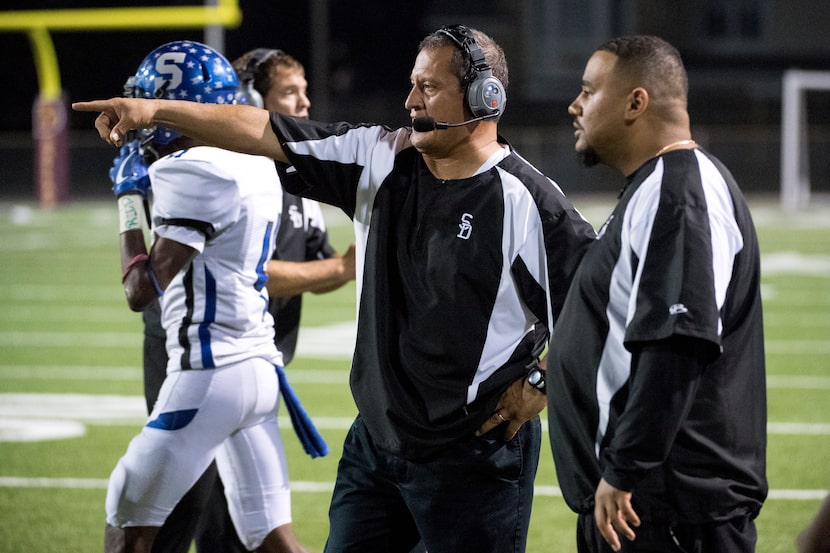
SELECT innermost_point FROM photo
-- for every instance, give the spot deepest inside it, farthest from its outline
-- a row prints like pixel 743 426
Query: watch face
pixel 534 377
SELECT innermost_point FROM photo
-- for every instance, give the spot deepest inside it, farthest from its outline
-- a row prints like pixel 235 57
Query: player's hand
pixel 519 403
pixel 129 171
pixel 117 116
pixel 613 514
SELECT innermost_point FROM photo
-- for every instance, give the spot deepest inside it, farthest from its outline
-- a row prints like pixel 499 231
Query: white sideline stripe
pixel 798 495
pixel 101 483
pixel 16 408
pixel 798 382
pixel 311 376
pixel 795 263
pixel 328 342
pixel 304 486
pixel 31 430
pixel 76 483
pixel 46 372
pixel 798 428
pixel 335 341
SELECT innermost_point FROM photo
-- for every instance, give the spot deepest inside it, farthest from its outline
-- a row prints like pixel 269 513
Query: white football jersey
pixel 227 206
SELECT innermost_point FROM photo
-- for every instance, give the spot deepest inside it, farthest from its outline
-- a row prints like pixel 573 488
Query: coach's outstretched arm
pixel 234 127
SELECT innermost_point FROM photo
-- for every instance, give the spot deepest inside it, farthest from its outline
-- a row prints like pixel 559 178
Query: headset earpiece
pixel 486 96
pixel 247 93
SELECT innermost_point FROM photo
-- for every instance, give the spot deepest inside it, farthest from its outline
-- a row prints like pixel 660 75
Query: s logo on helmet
pixel 183 70
pixel 169 64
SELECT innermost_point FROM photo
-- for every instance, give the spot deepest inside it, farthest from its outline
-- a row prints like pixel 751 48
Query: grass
pixel 70 354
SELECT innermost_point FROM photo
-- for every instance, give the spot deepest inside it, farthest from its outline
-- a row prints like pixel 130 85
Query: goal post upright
pixel 49 113
pixel 795 147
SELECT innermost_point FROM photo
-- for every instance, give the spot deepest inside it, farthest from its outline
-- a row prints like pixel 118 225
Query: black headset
pixel 247 93
pixel 486 95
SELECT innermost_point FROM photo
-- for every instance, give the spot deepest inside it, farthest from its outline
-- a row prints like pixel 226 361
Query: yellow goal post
pixel 50 113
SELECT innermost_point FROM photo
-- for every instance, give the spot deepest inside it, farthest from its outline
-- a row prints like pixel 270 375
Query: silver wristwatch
pixel 536 378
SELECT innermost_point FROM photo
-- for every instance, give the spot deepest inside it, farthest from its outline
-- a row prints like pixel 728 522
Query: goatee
pixel 588 158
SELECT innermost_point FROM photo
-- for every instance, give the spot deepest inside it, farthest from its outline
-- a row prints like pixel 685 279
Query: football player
pixel 215 215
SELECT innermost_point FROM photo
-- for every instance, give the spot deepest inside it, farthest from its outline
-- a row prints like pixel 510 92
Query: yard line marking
pixel 311 487
pixel 103 410
pixel 798 495
pixel 547 491
pixel 17 408
pixel 327 342
pixel 798 428
pixel 298 376
pixel 304 486
pixel 798 382
pixel 21 482
pixel 66 372
pixel 101 483
pixel 335 341
pixel 794 262
pixel 100 409
pixel 28 430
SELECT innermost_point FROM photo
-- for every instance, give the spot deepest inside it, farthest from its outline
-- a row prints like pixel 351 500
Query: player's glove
pixel 129 171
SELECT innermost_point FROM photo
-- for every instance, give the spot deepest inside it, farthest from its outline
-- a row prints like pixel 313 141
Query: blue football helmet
pixel 184 70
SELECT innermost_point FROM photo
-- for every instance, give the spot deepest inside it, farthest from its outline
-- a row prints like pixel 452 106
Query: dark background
pixel 736 53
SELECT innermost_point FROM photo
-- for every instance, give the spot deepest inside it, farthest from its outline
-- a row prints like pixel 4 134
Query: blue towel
pixel 313 442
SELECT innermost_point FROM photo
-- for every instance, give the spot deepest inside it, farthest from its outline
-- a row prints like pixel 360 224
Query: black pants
pixel 737 535
pixel 475 498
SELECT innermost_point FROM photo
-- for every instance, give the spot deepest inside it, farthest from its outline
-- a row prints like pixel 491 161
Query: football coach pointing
pixel 464 255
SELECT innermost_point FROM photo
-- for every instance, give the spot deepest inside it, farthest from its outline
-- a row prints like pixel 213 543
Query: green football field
pixel 71 390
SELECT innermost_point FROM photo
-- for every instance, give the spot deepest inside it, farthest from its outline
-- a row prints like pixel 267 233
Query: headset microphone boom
pixel 426 124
